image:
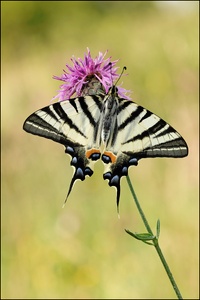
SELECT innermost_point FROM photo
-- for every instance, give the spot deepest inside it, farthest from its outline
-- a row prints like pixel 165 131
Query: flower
pixel 83 71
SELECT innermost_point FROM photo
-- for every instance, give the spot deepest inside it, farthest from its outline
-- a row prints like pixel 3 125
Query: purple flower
pixel 80 74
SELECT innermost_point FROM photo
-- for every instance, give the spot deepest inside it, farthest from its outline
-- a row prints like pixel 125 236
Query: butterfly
pixel 107 127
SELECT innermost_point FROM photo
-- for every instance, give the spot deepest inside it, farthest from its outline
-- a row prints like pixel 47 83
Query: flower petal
pixel 77 75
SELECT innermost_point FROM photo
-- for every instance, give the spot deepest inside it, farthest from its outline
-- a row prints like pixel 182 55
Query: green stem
pixel 155 241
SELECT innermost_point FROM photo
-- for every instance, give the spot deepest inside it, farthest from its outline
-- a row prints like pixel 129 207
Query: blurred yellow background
pixel 82 250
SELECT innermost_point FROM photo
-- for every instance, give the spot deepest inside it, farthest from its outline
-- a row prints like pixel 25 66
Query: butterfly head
pixel 113 90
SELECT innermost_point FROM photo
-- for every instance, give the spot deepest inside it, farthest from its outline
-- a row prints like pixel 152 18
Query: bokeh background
pixel 82 250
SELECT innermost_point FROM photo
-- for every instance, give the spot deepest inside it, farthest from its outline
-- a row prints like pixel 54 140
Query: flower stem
pixel 154 240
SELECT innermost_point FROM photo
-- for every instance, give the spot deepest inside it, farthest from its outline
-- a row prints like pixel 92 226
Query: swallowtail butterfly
pixel 107 127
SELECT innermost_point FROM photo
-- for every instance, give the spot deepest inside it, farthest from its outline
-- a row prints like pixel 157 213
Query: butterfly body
pixel 106 127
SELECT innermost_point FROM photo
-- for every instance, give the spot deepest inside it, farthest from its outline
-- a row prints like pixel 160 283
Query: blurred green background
pixel 82 250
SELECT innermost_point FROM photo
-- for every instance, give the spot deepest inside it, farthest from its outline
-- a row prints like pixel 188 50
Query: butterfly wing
pixel 140 134
pixel 143 134
pixel 71 123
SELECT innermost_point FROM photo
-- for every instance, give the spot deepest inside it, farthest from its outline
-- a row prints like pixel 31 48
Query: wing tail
pixel 113 172
pixel 82 166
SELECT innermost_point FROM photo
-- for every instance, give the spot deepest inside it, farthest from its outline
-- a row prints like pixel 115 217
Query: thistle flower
pixel 83 71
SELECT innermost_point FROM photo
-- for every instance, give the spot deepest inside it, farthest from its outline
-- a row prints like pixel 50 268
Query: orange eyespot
pixel 112 156
pixel 92 151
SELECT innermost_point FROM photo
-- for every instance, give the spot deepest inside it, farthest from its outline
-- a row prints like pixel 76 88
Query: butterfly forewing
pixel 146 135
pixel 72 121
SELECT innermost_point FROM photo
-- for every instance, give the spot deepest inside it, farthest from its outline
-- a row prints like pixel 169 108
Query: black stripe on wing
pixel 61 116
pixel 123 104
pixel 83 103
pixel 98 100
pixel 132 117
pixel 86 111
pixel 153 131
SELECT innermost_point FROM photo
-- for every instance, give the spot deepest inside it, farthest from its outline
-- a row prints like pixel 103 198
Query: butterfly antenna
pixel 124 68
